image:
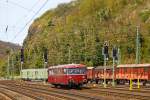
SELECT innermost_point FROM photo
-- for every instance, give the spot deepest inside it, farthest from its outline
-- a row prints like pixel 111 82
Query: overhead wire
pixel 27 14
pixel 18 33
pixel 20 6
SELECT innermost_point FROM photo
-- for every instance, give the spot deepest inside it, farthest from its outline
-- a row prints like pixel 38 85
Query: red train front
pixel 67 75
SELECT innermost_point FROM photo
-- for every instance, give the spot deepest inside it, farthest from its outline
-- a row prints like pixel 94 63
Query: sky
pixel 17 15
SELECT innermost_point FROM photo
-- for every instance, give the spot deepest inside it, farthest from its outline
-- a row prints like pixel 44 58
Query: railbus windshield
pixel 75 71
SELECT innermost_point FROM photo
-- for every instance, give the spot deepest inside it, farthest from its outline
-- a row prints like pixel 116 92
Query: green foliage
pixel 79 29
pixel 145 15
pixel 104 14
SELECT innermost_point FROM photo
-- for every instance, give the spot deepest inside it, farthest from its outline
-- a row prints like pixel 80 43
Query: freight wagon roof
pixel 102 67
pixel 34 69
pixel 90 67
pixel 134 65
pixel 68 66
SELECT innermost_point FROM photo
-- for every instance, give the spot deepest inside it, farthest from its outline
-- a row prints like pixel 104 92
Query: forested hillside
pixel 7 49
pixel 75 32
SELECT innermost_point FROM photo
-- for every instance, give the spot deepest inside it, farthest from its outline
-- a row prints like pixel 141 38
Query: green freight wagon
pixel 34 74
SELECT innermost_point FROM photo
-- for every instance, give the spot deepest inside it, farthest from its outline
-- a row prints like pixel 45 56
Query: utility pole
pixel 138 52
pixel 21 70
pixel 105 63
pixel 119 56
pixel 45 62
pixel 69 59
pixel 113 83
pixel 137 46
pixel 8 66
pixel 12 63
pixel 105 53
pixel 69 54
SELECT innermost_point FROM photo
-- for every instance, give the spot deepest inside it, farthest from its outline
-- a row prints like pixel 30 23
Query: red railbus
pixel 67 75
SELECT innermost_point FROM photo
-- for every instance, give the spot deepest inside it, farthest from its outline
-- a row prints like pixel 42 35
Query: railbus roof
pixel 67 66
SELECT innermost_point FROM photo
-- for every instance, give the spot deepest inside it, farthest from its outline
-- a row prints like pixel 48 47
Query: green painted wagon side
pixel 24 74
pixel 34 74
pixel 41 74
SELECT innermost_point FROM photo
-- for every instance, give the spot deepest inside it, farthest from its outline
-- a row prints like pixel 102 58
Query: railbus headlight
pixel 83 76
pixel 70 77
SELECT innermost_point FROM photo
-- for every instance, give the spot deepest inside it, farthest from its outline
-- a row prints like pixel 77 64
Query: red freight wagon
pixel 89 74
pixel 134 72
pixel 69 75
pixel 123 73
pixel 99 74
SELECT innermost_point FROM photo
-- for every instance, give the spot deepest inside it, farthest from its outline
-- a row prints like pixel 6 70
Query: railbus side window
pixel 61 71
pixel 51 72
pixel 65 71
pixel 55 71
pixel 75 71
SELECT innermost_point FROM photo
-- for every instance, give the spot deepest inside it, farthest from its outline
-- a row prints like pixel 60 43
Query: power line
pixel 30 20
pixel 28 12
pixel 16 4
pixel 35 4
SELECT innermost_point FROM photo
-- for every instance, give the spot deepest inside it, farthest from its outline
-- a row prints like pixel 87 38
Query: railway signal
pixel 22 55
pixel 45 56
pixel 106 55
pixel 115 57
pixel 115 53
pixel 106 52
pixel 105 49
pixel 45 60
pixel 22 60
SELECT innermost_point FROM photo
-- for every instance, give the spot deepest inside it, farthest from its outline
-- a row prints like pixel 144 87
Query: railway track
pixel 142 90
pixel 120 94
pixel 36 95
pixel 20 91
pixel 13 94
pixel 7 95
pixel 123 91
pixel 63 94
pixel 85 94
pixel 140 95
